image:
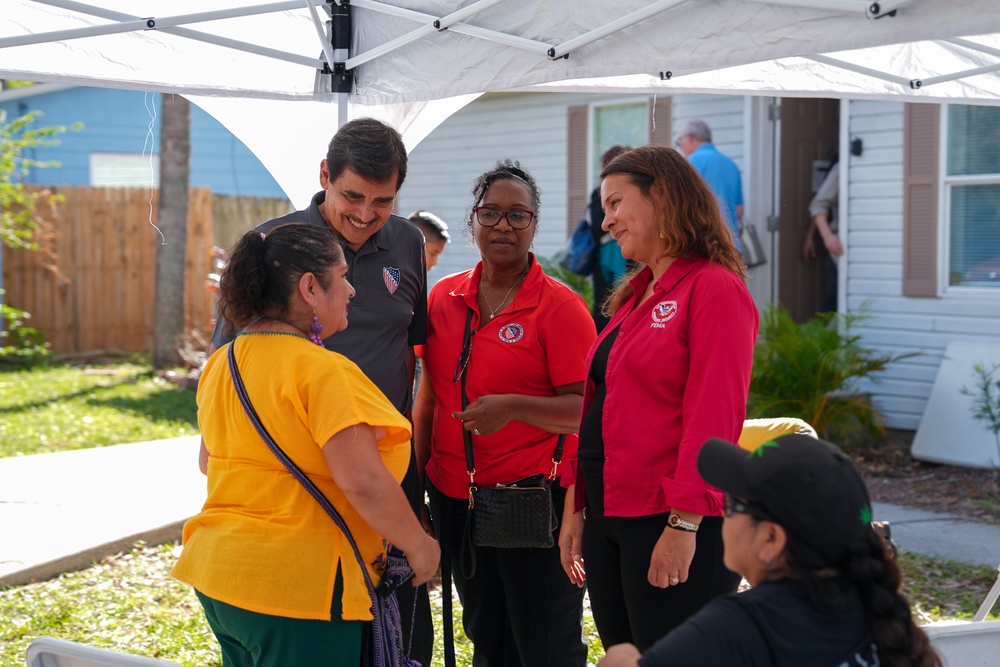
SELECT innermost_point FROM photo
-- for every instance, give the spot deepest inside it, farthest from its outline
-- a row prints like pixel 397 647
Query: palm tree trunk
pixel 172 214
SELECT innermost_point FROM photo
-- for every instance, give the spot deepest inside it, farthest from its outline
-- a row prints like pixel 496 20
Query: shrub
pixel 812 370
pixel 582 285
pixel 985 396
pixel 20 345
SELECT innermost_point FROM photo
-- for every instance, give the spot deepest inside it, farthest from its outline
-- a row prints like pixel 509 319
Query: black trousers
pixel 519 607
pixel 627 608
pixel 414 603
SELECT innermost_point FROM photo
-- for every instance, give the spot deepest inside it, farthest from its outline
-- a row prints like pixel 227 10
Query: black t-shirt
pixel 590 455
pixel 388 314
pixel 771 625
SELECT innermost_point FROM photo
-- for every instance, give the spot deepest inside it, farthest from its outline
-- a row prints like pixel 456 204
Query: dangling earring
pixel 315 329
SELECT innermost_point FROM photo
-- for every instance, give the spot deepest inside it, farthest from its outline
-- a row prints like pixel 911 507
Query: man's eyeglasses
pixel 734 505
pixel 680 138
pixel 490 217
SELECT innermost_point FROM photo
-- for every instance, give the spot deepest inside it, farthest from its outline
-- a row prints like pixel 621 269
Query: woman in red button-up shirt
pixel 522 370
pixel 670 370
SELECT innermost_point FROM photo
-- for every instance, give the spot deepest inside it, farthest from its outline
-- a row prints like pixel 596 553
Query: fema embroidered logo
pixel 663 312
pixel 390 275
pixel 511 333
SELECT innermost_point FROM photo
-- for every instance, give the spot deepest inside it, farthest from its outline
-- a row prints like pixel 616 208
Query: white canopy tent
pixel 278 73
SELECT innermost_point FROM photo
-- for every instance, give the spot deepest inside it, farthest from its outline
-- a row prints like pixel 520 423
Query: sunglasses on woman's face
pixel 734 505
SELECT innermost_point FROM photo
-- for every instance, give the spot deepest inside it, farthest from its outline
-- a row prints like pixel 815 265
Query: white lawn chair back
pixel 51 652
pixel 965 644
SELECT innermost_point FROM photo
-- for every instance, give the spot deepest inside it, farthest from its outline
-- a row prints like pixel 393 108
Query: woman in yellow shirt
pixel 277 578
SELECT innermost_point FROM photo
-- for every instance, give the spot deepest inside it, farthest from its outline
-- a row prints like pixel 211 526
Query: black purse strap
pixel 310 486
pixel 467 551
pixel 467 554
pixel 470 463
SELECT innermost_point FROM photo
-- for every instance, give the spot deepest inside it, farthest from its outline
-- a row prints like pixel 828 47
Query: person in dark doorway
pixel 824 590
pixel 721 173
pixel 602 286
pixel 670 370
pixel 823 221
pixel 364 168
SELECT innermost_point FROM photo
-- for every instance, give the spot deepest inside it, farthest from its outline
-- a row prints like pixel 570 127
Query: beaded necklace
pixel 272 333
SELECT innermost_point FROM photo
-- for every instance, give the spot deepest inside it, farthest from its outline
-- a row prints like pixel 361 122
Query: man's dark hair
pixel 371 149
pixel 433 227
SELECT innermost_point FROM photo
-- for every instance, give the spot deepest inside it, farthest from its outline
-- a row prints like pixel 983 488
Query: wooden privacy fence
pixel 106 254
pixel 234 216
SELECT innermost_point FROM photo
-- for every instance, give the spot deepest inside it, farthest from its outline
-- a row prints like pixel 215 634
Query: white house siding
pixel 898 324
pixel 532 128
pixel 529 127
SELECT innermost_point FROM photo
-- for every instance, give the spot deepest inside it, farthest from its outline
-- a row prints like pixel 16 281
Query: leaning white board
pixel 948 432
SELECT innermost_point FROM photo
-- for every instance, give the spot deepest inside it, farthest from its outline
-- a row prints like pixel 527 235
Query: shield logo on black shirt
pixel 390 275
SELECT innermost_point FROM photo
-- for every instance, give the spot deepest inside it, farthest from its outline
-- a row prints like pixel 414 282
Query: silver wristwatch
pixel 678 523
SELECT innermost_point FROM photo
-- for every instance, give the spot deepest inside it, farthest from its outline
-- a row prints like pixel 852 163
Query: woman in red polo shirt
pixel 670 370
pixel 524 375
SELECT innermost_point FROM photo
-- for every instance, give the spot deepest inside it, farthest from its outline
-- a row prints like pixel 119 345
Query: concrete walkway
pixel 65 511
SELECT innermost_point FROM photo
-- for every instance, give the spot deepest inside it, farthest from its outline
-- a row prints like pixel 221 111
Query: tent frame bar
pixel 931 80
pixel 432 24
pixel 851 67
pixel 873 9
pixel 312 63
pixel 564 49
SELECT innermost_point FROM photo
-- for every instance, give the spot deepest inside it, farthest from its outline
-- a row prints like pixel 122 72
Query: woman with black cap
pixel 823 590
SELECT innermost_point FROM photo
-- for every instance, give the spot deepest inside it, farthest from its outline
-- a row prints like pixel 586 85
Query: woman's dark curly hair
pixel 506 170
pixel 264 269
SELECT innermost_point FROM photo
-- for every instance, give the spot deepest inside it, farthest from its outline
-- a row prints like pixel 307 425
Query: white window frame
pixel 592 129
pixel 946 183
pixel 140 170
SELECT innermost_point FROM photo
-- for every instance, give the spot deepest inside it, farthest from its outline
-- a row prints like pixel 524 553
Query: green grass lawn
pixel 58 407
pixel 130 604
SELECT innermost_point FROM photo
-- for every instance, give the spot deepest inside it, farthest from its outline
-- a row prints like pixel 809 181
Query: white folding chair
pixel 968 643
pixel 991 599
pixel 965 644
pixel 51 652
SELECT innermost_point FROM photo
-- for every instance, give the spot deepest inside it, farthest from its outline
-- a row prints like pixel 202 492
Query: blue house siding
pixel 118 121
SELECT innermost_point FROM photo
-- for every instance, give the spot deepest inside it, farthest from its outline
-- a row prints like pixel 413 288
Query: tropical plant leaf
pixel 812 371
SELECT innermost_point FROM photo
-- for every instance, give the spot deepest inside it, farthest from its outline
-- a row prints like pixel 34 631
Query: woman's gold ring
pixel 476 431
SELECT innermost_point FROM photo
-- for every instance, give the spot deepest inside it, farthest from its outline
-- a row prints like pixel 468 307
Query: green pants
pixel 250 639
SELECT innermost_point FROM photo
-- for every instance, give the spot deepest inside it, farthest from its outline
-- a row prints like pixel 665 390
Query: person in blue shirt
pixel 718 170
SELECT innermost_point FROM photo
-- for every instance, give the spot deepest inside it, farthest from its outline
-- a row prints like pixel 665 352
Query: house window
pixel 972 196
pixel 124 170
pixel 618 125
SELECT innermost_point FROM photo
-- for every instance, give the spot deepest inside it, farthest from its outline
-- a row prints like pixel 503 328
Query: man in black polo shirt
pixel 364 168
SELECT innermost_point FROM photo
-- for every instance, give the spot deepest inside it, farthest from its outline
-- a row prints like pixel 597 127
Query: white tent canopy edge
pixel 274 50
pixel 262 68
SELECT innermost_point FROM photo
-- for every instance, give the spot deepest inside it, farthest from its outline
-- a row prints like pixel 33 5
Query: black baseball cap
pixel 807 486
